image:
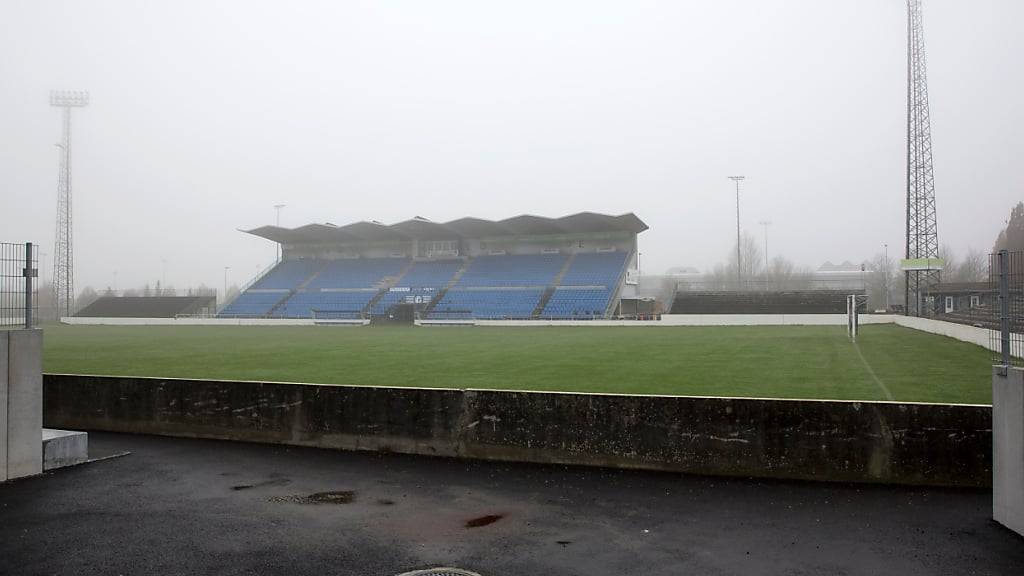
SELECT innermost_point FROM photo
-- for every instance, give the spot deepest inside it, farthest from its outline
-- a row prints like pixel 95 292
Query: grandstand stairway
pixel 388 283
pixel 550 290
pixel 302 286
pixel 312 277
pixel 442 292
pixel 273 309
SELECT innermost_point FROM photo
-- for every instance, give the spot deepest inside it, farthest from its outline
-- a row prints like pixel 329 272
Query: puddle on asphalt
pixel 274 482
pixel 484 520
pixel 333 497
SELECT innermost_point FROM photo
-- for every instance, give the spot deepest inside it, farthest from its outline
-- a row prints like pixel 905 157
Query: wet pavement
pixel 178 506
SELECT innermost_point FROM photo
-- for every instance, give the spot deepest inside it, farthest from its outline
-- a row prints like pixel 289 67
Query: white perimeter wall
pixel 769 319
pixel 687 320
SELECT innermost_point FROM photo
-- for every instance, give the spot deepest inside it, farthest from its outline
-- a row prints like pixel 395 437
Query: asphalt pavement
pixel 190 507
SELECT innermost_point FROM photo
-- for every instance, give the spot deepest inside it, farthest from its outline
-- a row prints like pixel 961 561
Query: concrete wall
pixel 1008 448
pixel 21 399
pixel 813 440
pixel 962 332
pixel 769 319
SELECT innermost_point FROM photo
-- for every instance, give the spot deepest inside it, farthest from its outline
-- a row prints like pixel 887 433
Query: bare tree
pixel 751 261
pixel 949 272
pixel 87 296
pixel 883 282
pixel 782 274
pixel 974 267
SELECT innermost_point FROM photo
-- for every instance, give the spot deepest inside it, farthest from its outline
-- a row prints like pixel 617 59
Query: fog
pixel 206 114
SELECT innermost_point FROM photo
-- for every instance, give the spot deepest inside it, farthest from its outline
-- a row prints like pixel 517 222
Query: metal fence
pixel 19 267
pixel 1006 279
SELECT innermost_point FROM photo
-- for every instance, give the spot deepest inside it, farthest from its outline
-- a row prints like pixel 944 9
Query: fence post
pixel 1004 305
pixel 29 272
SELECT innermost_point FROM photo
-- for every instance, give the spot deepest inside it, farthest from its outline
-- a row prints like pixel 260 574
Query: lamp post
pixel 739 266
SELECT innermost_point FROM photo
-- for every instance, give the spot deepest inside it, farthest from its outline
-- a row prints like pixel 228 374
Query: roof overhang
pixel 422 229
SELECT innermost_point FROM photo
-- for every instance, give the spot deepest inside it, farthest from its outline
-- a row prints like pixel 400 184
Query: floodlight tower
pixel 922 265
pixel 64 254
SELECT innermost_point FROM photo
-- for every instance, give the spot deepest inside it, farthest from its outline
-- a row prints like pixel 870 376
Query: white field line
pixel 864 361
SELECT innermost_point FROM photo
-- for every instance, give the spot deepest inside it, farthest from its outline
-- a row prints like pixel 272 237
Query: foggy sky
pixel 206 114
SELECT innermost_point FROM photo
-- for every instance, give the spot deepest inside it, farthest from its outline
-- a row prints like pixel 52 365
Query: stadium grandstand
pixel 148 307
pixel 527 267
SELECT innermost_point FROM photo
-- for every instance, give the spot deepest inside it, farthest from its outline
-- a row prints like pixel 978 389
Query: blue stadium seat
pixel 570 302
pixel 348 304
pixel 420 284
pixel 595 269
pixel 492 304
pixel 357 273
pixel 252 304
pixel 288 275
pixel 513 270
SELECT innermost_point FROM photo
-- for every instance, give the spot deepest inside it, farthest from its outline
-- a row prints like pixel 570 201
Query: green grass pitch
pixel 816 362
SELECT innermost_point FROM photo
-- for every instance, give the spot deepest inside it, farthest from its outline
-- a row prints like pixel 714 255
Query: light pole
pixel 739 268
pixel 163 276
pixel 278 208
pixel 766 224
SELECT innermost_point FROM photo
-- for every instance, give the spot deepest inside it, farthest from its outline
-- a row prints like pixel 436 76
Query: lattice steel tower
pixel 922 233
pixel 64 252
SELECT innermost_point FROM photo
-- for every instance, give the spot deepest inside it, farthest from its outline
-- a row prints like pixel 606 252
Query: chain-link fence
pixel 18 271
pixel 1006 281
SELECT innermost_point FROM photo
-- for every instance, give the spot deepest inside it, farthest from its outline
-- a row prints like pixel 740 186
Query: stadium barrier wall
pixel 886 442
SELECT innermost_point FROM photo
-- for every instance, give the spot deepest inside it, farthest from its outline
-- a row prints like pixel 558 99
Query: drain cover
pixel 440 572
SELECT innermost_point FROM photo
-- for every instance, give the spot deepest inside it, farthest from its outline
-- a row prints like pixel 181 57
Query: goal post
pixel 853 305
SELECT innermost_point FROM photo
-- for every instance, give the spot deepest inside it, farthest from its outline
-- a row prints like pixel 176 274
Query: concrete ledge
pixel 888 442
pixel 64 448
